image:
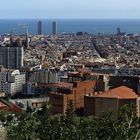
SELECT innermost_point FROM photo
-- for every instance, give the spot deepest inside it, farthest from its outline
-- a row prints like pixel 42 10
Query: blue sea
pixel 93 26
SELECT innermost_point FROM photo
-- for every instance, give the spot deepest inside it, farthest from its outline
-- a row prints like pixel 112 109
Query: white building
pixel 34 103
pixel 11 81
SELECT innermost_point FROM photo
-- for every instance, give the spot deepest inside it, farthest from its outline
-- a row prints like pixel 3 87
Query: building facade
pixel 63 92
pixel 11 57
pixel 44 76
pixel 11 81
pixel 109 101
pixel 132 82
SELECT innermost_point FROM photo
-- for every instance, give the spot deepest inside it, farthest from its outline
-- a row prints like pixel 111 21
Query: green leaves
pixel 128 123
pixel 41 125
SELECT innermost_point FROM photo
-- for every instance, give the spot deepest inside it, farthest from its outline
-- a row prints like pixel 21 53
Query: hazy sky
pixel 69 8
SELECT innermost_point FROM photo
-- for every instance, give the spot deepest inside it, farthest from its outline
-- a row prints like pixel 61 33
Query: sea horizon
pixel 70 25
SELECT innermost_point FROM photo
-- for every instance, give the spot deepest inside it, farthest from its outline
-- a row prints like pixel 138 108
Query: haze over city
pixel 70 9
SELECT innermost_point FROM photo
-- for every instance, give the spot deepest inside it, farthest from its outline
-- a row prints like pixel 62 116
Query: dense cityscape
pixel 78 74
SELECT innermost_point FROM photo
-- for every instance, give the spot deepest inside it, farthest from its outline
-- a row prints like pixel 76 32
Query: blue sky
pixel 69 9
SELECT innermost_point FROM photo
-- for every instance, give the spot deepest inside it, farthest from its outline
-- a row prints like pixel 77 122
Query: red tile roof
pixel 121 92
pixel 10 107
pixel 2 105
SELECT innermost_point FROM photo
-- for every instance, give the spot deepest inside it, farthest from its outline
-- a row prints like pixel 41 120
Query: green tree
pixel 45 129
pixel 41 125
pixel 128 123
pixel 2 117
pixel 25 130
pixel 105 127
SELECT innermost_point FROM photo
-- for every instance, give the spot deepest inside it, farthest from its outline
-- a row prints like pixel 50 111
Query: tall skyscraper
pixel 54 28
pixel 39 27
pixel 11 57
pixel 118 31
pixel 27 39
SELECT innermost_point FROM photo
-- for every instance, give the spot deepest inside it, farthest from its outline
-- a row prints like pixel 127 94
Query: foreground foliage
pixel 41 126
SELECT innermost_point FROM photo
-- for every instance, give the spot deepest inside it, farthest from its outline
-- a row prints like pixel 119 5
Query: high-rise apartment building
pixel 39 27
pixel 11 57
pixel 54 28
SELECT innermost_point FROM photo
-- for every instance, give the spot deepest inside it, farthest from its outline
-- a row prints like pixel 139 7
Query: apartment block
pixel 11 81
pixel 64 91
pixel 11 57
pixel 44 76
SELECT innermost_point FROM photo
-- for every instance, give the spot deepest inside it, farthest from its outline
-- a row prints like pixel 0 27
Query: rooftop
pixel 8 106
pixel 63 85
pixel 121 92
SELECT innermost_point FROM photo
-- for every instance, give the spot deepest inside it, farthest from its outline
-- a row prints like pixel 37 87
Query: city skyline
pixel 81 9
